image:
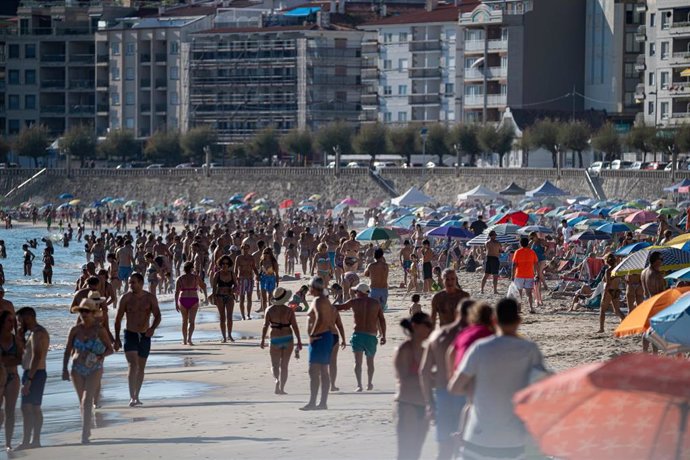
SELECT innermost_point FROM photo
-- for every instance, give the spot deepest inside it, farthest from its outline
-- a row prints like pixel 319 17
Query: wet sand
pixel 213 399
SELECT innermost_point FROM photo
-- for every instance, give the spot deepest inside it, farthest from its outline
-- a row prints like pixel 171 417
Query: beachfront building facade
pixel 666 66
pixel 139 83
pixel 614 58
pixel 243 80
pixel 520 54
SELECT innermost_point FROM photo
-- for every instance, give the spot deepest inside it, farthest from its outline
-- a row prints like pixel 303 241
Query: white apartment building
pixel 666 87
pixel 139 72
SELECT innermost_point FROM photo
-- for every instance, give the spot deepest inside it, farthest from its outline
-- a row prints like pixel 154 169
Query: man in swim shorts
pixel 138 305
pixel 405 257
pixel 492 263
pixel 125 261
pixel 369 321
pixel 245 273
pixel 378 274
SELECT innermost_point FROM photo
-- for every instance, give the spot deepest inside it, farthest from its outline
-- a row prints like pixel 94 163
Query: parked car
pixel 354 164
pixel 8 165
pixel 124 166
pixel 597 166
pixel 431 164
pixel 680 166
pixel 384 164
pixel 638 165
pixel 212 165
pixel 332 165
pixel 155 166
pixel 656 166
pixel 621 164
pixel 184 165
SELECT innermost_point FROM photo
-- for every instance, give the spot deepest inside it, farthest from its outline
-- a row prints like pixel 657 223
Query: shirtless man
pixel 369 321
pixel 320 323
pixel 5 305
pixel 125 262
pixel 245 273
pixel 405 257
pixel 350 250
pixel 427 273
pixel 332 241
pixel 441 406
pixel 378 274
pixel 653 283
pixel 492 262
pixel 444 303
pixel 138 305
pixel 252 241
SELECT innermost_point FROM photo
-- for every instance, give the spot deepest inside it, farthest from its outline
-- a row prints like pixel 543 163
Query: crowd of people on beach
pixel 459 367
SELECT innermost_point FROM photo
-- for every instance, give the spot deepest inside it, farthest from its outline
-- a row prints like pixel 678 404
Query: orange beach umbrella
pixel 637 322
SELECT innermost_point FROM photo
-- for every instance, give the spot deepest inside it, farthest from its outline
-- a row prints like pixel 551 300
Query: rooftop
pixel 448 13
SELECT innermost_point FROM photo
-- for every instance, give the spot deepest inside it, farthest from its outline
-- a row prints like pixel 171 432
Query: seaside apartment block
pixel 243 80
pixel 666 66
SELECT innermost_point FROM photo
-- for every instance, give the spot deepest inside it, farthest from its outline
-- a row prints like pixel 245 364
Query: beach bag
pixel 513 292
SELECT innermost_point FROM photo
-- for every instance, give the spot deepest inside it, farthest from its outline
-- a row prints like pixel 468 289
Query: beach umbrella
pixel 649 229
pixel 453 223
pixel 63 206
pixel 668 212
pixel 503 229
pixel 644 399
pixel 350 202
pixel 307 208
pixel 543 210
pixel 376 234
pixel 672 259
pixel 74 202
pixel 403 221
pixel 315 197
pixel 555 212
pixel 235 201
pixel 307 202
pixel 678 239
pixel 518 218
pixel 682 274
pixel 589 223
pixel 534 228
pixel 180 202
pixel 615 227
pixel 590 235
pixel 576 214
pixel 684 204
pixel 575 220
pixel 65 196
pixel 260 207
pixel 601 212
pixel 286 204
pixel 636 204
pixel 673 323
pixel 480 240
pixel 207 201
pixel 630 248
pixel 430 223
pixel 641 217
pixel 212 210
pixel 637 321
pixel 249 196
pixel 621 212
pixel 132 203
pixel 445 209
pixel 117 201
pixel 450 231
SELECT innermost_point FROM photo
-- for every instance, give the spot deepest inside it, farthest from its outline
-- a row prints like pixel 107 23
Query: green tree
pixel 641 138
pixel 404 141
pixel 437 142
pixel 574 136
pixel 79 141
pixel 545 134
pixel 608 141
pixel 164 146
pixel 195 140
pixel 371 140
pixel 298 142
pixel 334 134
pixel 264 145
pixel 5 148
pixel 240 155
pixel 466 138
pixel 524 144
pixel 496 141
pixel 119 143
pixel 682 139
pixel 32 142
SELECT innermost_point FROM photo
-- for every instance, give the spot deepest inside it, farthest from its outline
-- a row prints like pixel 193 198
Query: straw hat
pixel 281 296
pixel 92 302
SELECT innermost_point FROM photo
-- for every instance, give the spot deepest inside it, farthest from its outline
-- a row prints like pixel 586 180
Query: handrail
pixel 25 183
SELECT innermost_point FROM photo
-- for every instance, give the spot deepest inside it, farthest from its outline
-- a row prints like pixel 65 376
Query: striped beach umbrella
pixel 672 259
pixel 503 239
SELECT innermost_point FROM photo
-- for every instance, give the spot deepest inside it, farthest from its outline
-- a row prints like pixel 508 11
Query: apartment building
pixel 613 58
pixel 520 54
pixel 242 80
pixel 409 67
pixel 666 37
pixel 138 72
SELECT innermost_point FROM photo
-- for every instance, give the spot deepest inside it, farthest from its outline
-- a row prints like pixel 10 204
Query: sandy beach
pixel 214 400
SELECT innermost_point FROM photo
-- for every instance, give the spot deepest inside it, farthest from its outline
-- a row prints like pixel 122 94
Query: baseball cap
pixel 363 288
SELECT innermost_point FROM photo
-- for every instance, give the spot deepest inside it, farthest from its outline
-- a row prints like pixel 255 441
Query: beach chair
pixel 505 266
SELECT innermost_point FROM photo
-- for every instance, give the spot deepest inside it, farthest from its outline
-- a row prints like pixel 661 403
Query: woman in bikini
pixel 283 323
pixel 268 276
pixel 187 297
pixel 612 292
pixel 410 410
pixel 340 261
pixel 152 273
pixel 88 344
pixel 11 351
pixel 222 289
pixel 322 264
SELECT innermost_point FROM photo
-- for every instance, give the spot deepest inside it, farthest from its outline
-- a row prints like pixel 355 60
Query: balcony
pixel 161 108
pixel 370 74
pixel 639 91
pixel 421 99
pixel 678 88
pixel 81 58
pixel 640 64
pixel 494 45
pixel 641 34
pixel 370 48
pixel 680 28
pixel 370 99
pixel 425 45
pixel 679 58
pixel 81 84
pixel 49 58
pixel 493 73
pixel 54 109
pixel 424 72
pixel 102 58
pixel 492 100
pixel 641 7
pixel 144 58
pixel 82 110
pixel 145 82
pixel 145 108
pixel 161 58
pixel 679 118
pixel 53 84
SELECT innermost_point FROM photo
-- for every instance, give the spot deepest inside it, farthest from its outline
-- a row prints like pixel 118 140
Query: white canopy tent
pixel 412 197
pixel 478 193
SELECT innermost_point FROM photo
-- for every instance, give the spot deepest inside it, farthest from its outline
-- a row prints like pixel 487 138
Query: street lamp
pixel 423 132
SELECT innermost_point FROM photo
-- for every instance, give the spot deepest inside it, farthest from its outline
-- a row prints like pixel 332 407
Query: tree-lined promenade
pixel 467 141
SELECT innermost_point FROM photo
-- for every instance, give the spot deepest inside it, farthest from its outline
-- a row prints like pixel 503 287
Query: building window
pixel 504 62
pixel 449 89
pixel 30 77
pixel 650 108
pixel 387 64
pixel 663 79
pixel 387 117
pixel 175 47
pixel 451 62
pixel 13 126
pixel 402 90
pixel 652 20
pixel 13 102
pixel 665 21
pixel 451 116
pixel 340 71
pixel 115 98
pixel 13 77
pixel 129 123
pixel 115 49
pixel 402 117
pixel 469 62
pixel 115 74
pixel 664 50
pixel 387 38
pixel 474 34
pixel 664 109
pixel 129 98
pixel 402 64
pixel 130 49
pixel 30 51
pixel 652 49
pixel 13 51
pixel 129 73
pixel 114 122
pixel 30 102
pixel 387 91
pixel 402 38
pixel 652 79
pixel 174 98
pixel 174 73
pixel 504 34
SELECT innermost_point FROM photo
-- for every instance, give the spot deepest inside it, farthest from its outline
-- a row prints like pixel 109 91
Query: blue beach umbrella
pixel 615 227
pixel 449 231
pixel 629 249
pixel 403 221
pixel 66 196
pixel 590 235
pixel 534 228
pixel 376 234
pixel 673 322
pixel 682 274
pixel 601 212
